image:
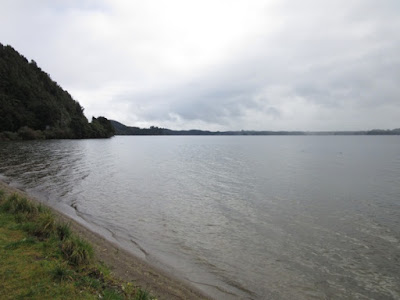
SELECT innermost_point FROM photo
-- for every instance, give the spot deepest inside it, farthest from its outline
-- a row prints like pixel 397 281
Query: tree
pixel 30 98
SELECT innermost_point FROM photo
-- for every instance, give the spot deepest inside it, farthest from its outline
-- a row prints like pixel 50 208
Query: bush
pixel 9 136
pixel 27 133
pixel 58 133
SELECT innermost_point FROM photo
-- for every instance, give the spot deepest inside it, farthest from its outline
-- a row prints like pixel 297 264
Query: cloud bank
pixel 219 65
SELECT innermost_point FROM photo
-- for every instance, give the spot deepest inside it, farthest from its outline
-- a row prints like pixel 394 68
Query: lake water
pixel 241 217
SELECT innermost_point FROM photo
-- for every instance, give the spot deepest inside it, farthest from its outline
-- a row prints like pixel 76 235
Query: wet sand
pixel 124 264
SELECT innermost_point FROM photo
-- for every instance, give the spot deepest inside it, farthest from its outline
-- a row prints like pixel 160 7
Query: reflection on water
pixel 241 217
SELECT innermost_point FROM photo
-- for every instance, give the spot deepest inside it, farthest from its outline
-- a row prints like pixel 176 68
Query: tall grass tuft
pixel 77 251
pixel 43 209
pixel 63 231
pixel 16 204
pixel 62 273
pixel 45 225
pixel 110 294
pixel 142 294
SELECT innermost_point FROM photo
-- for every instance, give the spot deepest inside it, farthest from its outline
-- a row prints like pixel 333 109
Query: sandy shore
pixel 124 264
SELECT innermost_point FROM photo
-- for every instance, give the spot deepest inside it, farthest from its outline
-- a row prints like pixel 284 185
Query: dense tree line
pixel 121 129
pixel 33 106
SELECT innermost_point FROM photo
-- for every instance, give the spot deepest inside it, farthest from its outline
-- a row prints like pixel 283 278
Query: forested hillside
pixel 33 106
pixel 121 129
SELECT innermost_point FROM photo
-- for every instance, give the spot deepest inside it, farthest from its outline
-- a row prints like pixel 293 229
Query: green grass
pixel 64 231
pixel 15 204
pixel 77 251
pixel 43 259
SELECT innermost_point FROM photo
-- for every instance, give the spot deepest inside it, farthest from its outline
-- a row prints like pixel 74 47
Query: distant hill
pixel 121 129
pixel 33 106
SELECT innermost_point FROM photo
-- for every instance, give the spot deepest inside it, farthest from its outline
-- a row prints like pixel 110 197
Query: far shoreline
pixel 124 264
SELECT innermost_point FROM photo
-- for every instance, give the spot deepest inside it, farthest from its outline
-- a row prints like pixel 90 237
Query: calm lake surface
pixel 245 217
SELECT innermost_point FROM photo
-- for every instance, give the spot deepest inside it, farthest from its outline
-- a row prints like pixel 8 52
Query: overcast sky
pixel 219 65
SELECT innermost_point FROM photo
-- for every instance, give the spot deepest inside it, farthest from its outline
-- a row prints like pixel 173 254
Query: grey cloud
pixel 333 59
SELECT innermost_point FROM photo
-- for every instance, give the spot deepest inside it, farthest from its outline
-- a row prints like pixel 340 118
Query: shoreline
pixel 124 264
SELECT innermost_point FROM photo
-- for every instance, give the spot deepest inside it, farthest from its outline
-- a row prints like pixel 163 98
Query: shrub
pixel 58 133
pixel 9 136
pixel 27 133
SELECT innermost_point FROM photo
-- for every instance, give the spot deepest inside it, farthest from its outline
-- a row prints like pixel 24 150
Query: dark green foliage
pixel 36 107
pixel 9 136
pixel 101 127
pixel 27 133
pixel 121 129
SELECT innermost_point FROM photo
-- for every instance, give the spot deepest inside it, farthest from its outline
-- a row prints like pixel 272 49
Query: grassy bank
pixel 41 258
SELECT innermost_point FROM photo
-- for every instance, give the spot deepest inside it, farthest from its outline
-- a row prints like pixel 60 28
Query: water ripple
pixel 242 217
